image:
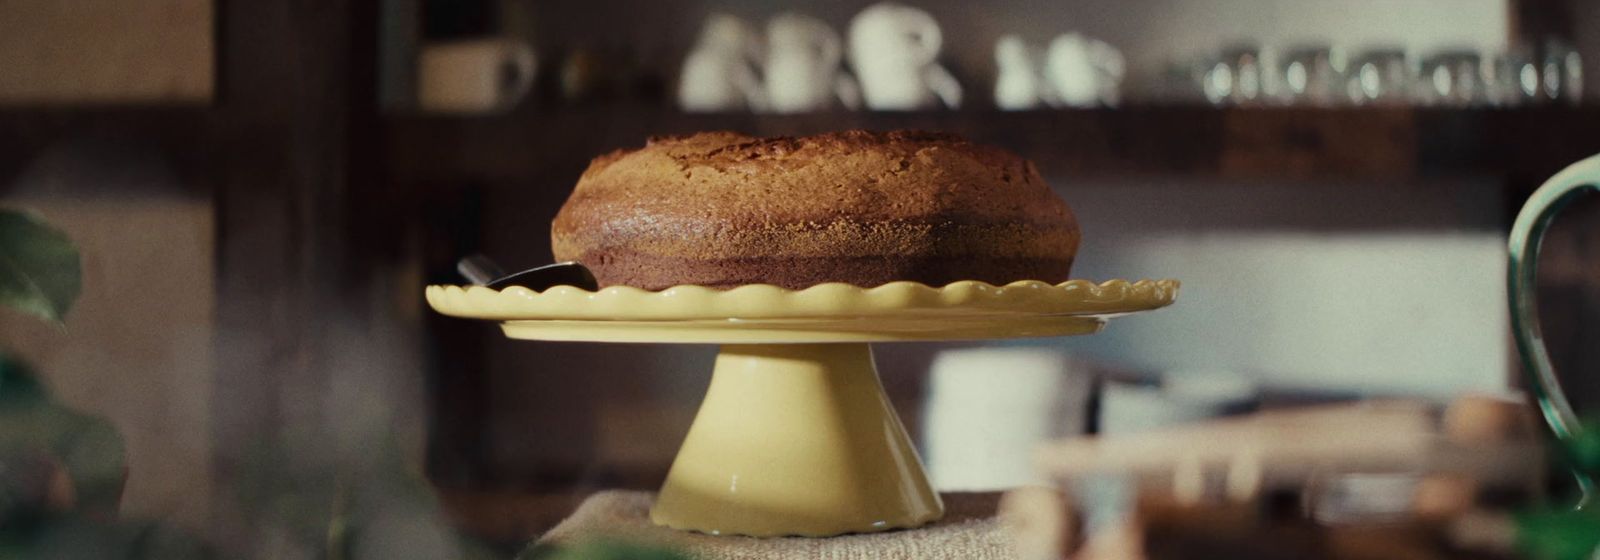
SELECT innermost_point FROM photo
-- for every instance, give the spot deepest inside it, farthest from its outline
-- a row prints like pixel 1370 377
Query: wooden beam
pixel 293 170
pixel 1281 144
pixel 175 131
pixel 1533 21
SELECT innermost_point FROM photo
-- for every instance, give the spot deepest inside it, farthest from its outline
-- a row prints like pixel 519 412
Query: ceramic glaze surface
pixel 767 331
pixel 796 440
pixel 761 301
pixel 795 436
pixel 1527 233
pixel 825 313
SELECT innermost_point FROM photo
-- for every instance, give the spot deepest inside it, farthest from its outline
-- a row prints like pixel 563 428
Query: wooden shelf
pixel 26 131
pixel 1521 145
pixel 1243 143
pixel 28 127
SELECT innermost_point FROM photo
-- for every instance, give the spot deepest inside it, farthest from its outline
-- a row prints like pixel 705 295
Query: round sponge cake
pixel 722 209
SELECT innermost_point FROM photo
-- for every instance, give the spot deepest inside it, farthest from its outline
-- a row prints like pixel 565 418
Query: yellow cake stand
pixel 796 436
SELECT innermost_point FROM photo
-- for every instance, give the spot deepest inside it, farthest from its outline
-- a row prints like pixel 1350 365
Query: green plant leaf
pixel 1558 535
pixel 40 272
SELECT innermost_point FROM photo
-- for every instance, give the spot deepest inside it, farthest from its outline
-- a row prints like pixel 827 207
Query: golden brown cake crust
pixel 724 209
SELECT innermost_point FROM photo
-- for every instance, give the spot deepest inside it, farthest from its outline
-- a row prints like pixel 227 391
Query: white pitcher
pixel 894 49
pixel 802 68
pixel 719 73
pixel 1018 84
pixel 1084 72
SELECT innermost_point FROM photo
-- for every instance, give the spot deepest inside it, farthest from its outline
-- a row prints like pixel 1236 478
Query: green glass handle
pixel 1526 234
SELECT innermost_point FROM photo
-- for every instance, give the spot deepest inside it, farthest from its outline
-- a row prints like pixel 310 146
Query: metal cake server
pixel 482 271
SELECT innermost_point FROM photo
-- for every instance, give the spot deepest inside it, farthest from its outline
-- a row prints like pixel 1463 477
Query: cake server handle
pixel 1527 233
pixel 482 271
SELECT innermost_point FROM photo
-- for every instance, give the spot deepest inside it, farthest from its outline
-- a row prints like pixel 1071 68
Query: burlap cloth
pixel 969 530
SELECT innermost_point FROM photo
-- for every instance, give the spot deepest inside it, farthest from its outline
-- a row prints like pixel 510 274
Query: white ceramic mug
pixel 894 49
pixel 718 74
pixel 1084 72
pixel 474 76
pixel 802 66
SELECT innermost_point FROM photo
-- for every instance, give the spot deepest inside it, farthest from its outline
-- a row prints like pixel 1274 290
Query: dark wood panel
pixel 1260 143
pixel 178 132
pixel 1536 20
pixel 527 145
pixel 1318 143
pixel 292 158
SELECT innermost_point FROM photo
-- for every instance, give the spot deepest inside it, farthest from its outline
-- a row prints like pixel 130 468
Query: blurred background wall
pixel 1363 287
pixel 137 346
pixel 1149 32
pixel 107 51
pixel 1273 270
pixel 239 148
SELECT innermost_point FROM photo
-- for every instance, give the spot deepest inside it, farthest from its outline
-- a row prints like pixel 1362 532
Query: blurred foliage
pixel 1584 448
pixel 61 478
pixel 365 503
pixel 40 272
pixel 55 457
pixel 1567 534
pixel 75 537
pixel 355 503
pixel 1559 535
pixel 321 491
pixel 61 471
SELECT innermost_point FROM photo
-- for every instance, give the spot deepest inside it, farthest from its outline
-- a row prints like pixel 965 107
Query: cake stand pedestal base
pixel 796 439
pixel 795 436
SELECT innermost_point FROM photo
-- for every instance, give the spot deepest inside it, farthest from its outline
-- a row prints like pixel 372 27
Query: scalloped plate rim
pixel 768 302
pixel 830 285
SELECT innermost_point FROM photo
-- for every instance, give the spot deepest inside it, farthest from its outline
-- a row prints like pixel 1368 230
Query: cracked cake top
pixel 727 197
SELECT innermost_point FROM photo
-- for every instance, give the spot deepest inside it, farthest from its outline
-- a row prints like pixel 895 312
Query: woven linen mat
pixel 968 531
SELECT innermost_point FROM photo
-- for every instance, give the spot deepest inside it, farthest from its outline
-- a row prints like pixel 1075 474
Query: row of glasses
pixel 1323 75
